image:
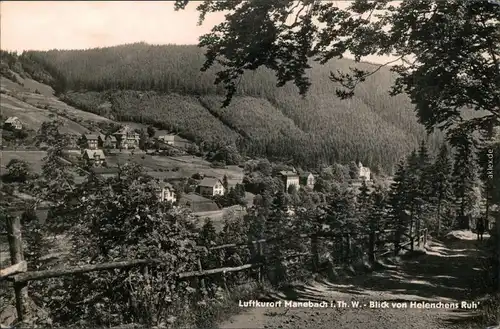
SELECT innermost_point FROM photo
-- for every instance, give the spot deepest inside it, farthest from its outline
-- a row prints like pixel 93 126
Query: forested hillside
pixel 163 85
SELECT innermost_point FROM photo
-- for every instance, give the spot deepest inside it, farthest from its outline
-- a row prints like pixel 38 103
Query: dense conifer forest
pixel 163 85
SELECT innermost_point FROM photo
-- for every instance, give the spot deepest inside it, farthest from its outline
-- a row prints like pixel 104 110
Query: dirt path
pixel 447 274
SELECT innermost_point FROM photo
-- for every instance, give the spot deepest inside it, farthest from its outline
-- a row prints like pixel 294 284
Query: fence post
pixel 17 256
pixel 225 281
pixel 202 280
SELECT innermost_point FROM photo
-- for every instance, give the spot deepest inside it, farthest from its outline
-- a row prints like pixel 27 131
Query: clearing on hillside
pixel 33 103
pixel 169 167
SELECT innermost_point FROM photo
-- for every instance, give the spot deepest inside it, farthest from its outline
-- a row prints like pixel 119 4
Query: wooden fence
pixel 18 274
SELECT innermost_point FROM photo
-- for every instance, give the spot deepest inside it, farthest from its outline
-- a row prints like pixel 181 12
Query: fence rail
pixel 20 276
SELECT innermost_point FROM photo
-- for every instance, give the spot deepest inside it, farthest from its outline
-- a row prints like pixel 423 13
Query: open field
pixel 162 167
pixel 33 117
pixel 218 216
pixel 33 158
pixel 33 103
pixel 40 95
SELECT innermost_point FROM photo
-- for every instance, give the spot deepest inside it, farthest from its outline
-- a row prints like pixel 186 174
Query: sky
pixel 45 25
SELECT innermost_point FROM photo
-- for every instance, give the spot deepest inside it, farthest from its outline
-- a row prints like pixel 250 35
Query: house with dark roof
pixel 290 178
pixel 91 141
pixel 210 187
pixel 307 179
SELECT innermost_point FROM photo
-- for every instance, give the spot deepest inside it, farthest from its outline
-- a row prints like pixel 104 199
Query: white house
pixel 290 178
pixel 165 137
pixel 364 172
pixel 211 187
pixel 166 192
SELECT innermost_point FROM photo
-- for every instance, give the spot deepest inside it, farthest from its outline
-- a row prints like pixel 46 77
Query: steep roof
pixel 169 137
pixel 209 182
pixel 112 138
pixel 11 119
pixel 288 173
pixel 305 174
pixel 92 153
pixel 91 136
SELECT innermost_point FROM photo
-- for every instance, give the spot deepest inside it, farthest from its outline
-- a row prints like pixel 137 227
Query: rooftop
pixel 11 119
pixel 288 173
pixel 92 153
pixel 208 182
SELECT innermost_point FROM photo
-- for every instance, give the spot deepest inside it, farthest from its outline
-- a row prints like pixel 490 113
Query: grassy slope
pixel 34 103
pixel 374 127
pixel 176 167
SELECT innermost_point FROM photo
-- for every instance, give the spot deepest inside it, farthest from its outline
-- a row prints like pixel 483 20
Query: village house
pixel 127 138
pixel 211 187
pixel 90 141
pixel 110 142
pixel 364 172
pixel 165 137
pixel 307 179
pixel 94 157
pixel 290 178
pixel 13 123
pixel 166 192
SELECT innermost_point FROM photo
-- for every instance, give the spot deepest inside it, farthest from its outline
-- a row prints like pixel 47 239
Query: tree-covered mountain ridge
pixel 163 85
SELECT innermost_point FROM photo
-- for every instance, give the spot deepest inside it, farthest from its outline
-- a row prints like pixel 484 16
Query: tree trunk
pixel 315 252
pixel 16 257
pixel 411 230
pixel 372 246
pixel 439 217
